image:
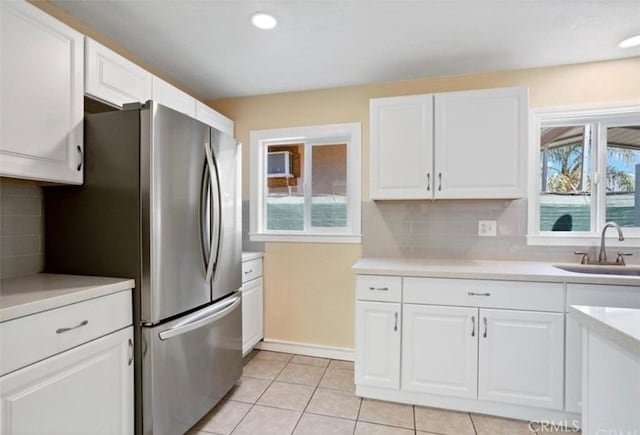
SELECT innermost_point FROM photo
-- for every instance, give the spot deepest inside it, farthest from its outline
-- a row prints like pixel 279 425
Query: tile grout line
pixel 473 423
pixel 311 397
pixel 253 405
pixel 415 426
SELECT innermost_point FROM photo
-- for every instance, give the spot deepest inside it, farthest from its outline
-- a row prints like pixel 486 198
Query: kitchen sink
pixel 600 269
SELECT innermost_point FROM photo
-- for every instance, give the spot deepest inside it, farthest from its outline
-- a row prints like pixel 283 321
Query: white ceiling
pixel 211 47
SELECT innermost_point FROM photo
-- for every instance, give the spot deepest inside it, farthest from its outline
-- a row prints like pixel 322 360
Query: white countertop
pixel 484 269
pixel 25 295
pixel 619 325
pixel 250 255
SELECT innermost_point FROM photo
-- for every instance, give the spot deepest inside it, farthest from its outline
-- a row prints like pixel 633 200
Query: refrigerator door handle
pixel 208 316
pixel 215 194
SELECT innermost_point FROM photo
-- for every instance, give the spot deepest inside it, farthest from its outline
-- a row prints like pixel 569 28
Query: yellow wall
pixel 309 290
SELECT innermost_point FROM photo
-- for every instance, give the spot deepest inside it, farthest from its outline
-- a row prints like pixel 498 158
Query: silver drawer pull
pixel 61 330
pixel 247 272
pixel 478 294
pixel 381 289
pixel 485 328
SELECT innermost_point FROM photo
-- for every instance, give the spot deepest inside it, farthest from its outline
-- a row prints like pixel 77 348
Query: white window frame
pixel 611 115
pixel 319 135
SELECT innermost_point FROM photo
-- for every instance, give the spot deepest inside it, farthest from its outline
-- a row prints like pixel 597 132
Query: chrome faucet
pixel 602 257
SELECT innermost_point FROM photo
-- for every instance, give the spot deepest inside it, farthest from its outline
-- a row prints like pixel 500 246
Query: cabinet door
pixel 440 350
pixel 378 344
pixel 252 314
pixel 172 97
pixel 521 358
pixel 112 78
pixel 401 149
pixel 85 390
pixel 41 96
pixel 214 119
pixel 480 143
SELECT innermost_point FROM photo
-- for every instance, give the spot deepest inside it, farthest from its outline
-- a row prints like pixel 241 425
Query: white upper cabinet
pixel 480 143
pixel 469 144
pixel 41 96
pixel 215 119
pixel 113 79
pixel 401 147
pixel 172 97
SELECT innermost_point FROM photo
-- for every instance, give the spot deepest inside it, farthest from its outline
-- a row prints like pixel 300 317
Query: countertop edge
pixel 80 295
pixel 252 255
pixel 605 330
pixel 547 273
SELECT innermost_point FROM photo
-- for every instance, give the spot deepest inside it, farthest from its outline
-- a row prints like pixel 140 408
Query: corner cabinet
pixel 467 145
pixel 41 96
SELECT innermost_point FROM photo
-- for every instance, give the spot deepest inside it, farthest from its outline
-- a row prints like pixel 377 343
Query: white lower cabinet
pixel 521 354
pixel 378 327
pixel 252 301
pixel 252 315
pixel 488 346
pixel 439 350
pixel 88 389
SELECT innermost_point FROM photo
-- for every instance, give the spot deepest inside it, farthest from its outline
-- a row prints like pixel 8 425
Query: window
pixel 585 164
pixel 305 184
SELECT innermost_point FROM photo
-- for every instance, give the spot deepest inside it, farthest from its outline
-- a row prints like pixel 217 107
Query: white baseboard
pixel 341 353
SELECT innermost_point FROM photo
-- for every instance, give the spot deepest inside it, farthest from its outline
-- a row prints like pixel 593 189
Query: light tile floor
pixel 284 394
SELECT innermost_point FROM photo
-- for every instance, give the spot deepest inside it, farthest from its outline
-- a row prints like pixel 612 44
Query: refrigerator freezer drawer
pixel 189 364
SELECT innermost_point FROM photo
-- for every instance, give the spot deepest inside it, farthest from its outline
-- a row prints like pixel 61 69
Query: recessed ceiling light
pixel 264 21
pixel 630 42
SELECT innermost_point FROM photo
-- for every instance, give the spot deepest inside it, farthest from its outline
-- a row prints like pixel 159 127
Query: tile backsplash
pixel 248 245
pixel 449 229
pixel 21 228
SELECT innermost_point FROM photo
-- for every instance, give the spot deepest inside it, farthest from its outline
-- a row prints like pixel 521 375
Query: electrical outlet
pixel 487 228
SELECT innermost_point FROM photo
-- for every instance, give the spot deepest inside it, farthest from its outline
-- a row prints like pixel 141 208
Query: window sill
pixel 306 238
pixel 632 240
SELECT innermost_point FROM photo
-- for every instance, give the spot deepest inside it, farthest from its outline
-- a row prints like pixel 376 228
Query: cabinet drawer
pixel 531 296
pixel 251 269
pixel 379 288
pixel 38 336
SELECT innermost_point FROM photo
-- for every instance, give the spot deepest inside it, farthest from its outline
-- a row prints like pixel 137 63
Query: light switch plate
pixel 487 228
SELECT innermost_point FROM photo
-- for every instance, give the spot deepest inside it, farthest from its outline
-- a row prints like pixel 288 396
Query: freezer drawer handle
pixel 62 330
pixel 216 312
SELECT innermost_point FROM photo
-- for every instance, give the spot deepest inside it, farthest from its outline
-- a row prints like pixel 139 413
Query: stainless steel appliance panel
pixel 190 363
pixel 227 275
pixel 172 164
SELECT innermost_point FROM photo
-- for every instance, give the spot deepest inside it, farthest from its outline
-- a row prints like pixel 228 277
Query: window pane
pixel 623 167
pixel 565 191
pixel 285 195
pixel 329 186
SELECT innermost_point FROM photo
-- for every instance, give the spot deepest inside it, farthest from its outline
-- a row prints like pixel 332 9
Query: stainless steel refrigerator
pixel 161 204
